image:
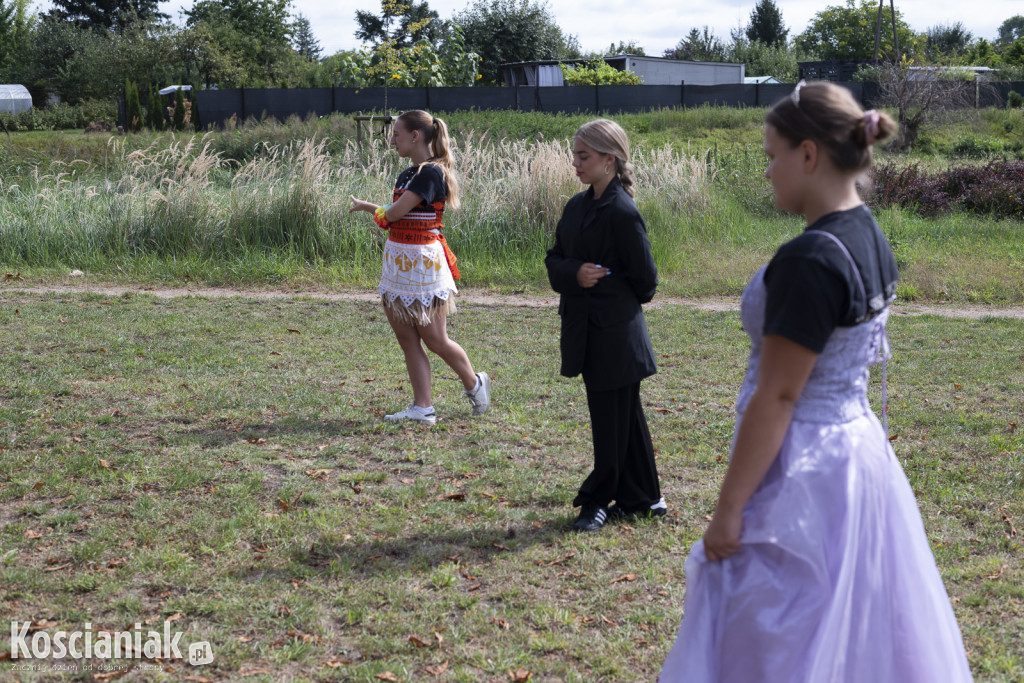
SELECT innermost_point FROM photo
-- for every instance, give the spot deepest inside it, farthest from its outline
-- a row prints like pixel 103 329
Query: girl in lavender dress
pixel 815 566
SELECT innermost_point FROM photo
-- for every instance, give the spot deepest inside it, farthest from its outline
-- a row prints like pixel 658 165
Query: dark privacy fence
pixel 218 106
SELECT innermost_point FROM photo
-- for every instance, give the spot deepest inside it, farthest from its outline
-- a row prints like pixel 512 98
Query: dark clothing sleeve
pixel 806 301
pixel 429 183
pixel 635 253
pixel 561 268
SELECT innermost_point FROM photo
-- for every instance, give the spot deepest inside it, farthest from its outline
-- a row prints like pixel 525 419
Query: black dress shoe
pixel 619 513
pixel 592 518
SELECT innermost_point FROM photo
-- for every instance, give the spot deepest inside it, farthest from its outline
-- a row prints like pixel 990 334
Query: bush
pixel 996 189
pixel 63 116
pixel 1015 100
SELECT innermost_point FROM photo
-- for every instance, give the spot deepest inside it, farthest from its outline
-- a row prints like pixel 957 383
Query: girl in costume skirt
pixel 417 285
pixel 815 567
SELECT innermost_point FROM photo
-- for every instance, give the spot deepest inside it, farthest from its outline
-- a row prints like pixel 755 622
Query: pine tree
pixel 179 110
pixel 155 112
pixel 132 107
pixel 305 42
pixel 196 124
pixel 766 24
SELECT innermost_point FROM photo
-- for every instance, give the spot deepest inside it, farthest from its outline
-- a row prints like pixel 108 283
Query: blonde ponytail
pixel 435 132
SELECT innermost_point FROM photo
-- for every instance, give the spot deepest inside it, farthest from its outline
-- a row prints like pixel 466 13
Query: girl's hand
pixel 589 273
pixel 722 537
pixel 360 205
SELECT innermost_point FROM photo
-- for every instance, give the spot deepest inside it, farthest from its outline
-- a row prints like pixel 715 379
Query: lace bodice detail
pixel 836 390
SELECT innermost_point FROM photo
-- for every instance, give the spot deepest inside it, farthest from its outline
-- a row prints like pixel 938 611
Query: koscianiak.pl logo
pixel 88 644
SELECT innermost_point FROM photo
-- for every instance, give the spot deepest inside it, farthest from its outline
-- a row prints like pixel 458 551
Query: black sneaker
pixel 618 513
pixel 592 518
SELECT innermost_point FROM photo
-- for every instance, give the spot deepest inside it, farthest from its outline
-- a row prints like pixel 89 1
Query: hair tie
pixel 871 119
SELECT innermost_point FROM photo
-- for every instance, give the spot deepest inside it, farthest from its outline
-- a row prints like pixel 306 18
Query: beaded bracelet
pixel 380 217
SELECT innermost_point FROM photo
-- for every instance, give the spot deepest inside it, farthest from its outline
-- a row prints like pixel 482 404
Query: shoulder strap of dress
pixel 849 257
pixel 882 342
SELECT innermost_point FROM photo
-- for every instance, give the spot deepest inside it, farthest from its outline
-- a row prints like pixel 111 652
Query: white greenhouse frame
pixel 14 99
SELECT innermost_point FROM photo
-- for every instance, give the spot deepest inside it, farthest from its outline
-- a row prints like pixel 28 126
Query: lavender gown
pixel 834 581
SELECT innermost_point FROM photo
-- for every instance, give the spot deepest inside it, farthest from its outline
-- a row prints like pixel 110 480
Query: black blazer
pixel 604 334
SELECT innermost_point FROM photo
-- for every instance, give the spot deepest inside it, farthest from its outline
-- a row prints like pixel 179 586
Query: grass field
pixel 266 205
pixel 223 464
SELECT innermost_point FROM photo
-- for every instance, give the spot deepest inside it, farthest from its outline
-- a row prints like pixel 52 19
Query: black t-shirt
pixel 812 288
pixel 429 183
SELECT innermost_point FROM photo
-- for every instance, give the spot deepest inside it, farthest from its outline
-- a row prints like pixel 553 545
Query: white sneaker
pixel 480 398
pixel 414 414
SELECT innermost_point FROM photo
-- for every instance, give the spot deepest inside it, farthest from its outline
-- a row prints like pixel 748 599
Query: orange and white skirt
pixel 416 282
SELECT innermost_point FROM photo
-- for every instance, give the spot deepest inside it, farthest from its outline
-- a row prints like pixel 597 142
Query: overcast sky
pixel 656 25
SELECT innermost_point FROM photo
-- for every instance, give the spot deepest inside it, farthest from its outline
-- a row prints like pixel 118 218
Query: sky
pixel 655 25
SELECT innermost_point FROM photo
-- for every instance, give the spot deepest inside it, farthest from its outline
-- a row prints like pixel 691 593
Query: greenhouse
pixel 14 99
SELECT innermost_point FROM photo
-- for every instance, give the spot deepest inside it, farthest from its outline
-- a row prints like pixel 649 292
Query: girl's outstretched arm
pixel 785 367
pixel 406 203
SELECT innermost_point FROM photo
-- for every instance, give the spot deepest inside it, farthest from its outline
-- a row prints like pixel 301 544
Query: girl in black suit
pixel 602 266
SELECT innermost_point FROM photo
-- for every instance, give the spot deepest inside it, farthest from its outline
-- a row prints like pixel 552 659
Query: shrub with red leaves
pixel 996 189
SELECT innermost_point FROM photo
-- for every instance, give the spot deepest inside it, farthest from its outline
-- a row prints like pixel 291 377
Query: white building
pixel 651 70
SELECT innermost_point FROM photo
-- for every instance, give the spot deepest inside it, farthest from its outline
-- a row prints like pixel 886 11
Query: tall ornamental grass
pixel 179 198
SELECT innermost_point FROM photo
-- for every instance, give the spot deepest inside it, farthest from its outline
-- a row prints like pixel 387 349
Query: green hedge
pixel 62 116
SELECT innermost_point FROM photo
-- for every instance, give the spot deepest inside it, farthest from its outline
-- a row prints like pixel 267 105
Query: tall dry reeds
pixel 179 198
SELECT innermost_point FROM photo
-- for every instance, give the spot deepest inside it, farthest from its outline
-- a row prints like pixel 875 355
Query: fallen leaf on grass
pixel 664 410
pixel 894 437
pixel 625 577
pixel 452 496
pixel 439 638
pixel 549 563
pixel 338 663
pixel 369 379
pixel 418 642
pixel 356 488
pixel 519 675
pixel 38 485
pixel 57 568
pixel 437 670
pixel 105 465
pixel 407 481
pixel 253 671
pixel 29 533
pixel 501 623
pixel 294 331
pixel 275 353
pixel 175 617
pixel 386 676
pixel 999 574
pixel 608 621
pixel 1009 523
pixel 318 474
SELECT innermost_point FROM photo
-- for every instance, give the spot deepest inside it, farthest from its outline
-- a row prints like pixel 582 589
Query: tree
pixel 512 31
pixel 922 96
pixel 765 60
pixel 630 48
pixel 848 32
pixel 415 22
pixel 253 33
pixel 1011 30
pixel 155 112
pixel 178 118
pixel 114 15
pixel 699 46
pixel 766 24
pixel 15 26
pixel 948 40
pixel 305 42
pixel 132 108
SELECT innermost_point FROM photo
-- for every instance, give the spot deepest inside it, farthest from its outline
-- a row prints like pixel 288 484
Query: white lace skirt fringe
pixel 414 312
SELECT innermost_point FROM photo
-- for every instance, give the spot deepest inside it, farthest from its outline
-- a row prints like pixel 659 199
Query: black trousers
pixel 624 469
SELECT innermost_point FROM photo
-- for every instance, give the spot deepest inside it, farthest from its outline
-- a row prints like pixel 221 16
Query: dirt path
pixel 477 297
